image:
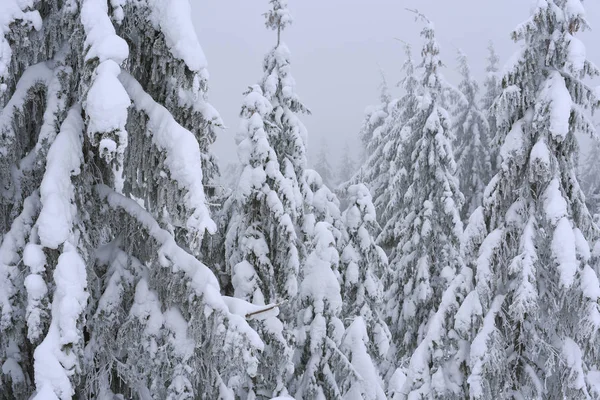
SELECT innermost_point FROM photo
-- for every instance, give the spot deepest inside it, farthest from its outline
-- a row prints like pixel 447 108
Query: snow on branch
pixel 34 75
pixel 183 157
pixel 64 160
pixel 173 17
pixel 11 11
pixel 202 279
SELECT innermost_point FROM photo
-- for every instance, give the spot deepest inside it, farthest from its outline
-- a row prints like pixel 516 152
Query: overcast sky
pixel 337 47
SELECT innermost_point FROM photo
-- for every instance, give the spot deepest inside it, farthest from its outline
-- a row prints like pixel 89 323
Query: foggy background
pixel 337 47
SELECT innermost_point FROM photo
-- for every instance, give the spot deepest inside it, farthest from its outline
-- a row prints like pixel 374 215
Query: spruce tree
pixel 472 142
pixel 104 128
pixel 493 89
pixel 382 168
pixel 363 268
pixel 261 240
pixel 427 256
pixel 589 176
pixel 538 296
pixel 347 166
pixel 322 164
pixel 374 118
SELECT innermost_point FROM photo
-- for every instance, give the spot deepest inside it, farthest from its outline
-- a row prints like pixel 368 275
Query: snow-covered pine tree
pixel 320 329
pixel 279 87
pixel 589 176
pixel 374 118
pixel 322 164
pixel 428 230
pixel 472 142
pixel 347 166
pixel 261 240
pixel 363 266
pixel 104 127
pixel 493 89
pixel 382 166
pixel 537 295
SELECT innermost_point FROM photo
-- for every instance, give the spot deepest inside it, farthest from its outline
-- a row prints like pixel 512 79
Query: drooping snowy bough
pixel 104 134
pixel 535 305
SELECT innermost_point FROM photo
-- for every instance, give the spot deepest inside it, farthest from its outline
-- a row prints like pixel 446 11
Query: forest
pixel 457 259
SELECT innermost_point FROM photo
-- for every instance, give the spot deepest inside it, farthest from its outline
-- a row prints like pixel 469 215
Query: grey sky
pixel 336 48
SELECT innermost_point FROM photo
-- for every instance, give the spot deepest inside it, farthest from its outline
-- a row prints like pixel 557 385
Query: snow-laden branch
pixel 32 76
pixel 11 11
pixel 57 191
pixel 183 157
pixel 202 279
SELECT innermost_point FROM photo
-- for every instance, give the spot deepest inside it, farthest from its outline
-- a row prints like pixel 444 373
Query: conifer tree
pixel 347 166
pixel 472 142
pixel 589 176
pixel 493 89
pixel 320 329
pixel 363 267
pixel 261 240
pixel 427 256
pixel 322 164
pixel 104 128
pixel 536 297
pixel 278 86
pixel 374 118
pixel 383 168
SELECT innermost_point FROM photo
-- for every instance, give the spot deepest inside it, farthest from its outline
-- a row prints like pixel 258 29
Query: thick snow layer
pixel 484 261
pixel 320 284
pixel 557 96
pixel 514 142
pixel 573 357
pixel 101 38
pixel 250 311
pixel 11 11
pixel 64 160
pixel 107 101
pixel 577 54
pixel 480 348
pixel 33 75
pixel 202 279
pixel 53 366
pixel 564 251
pixel 183 157
pixel 12 243
pixel 356 340
pixel 540 155
pixel 173 17
pixel 555 205
pixel 590 284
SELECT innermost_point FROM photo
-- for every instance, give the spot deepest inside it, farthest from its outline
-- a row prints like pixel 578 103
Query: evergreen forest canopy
pixel 460 260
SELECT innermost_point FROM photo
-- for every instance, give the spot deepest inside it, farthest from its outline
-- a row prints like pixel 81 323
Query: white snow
pixel 101 38
pixel 57 192
pixel 480 354
pixel 590 285
pixel 202 280
pixel 514 143
pixel 12 243
pixel 107 101
pixel 173 17
pixel 53 366
pixel 573 357
pixel 556 94
pixel 576 54
pixel 11 11
pixel 183 157
pixel 36 74
pixel 564 252
pixel 369 386
pixel 555 205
